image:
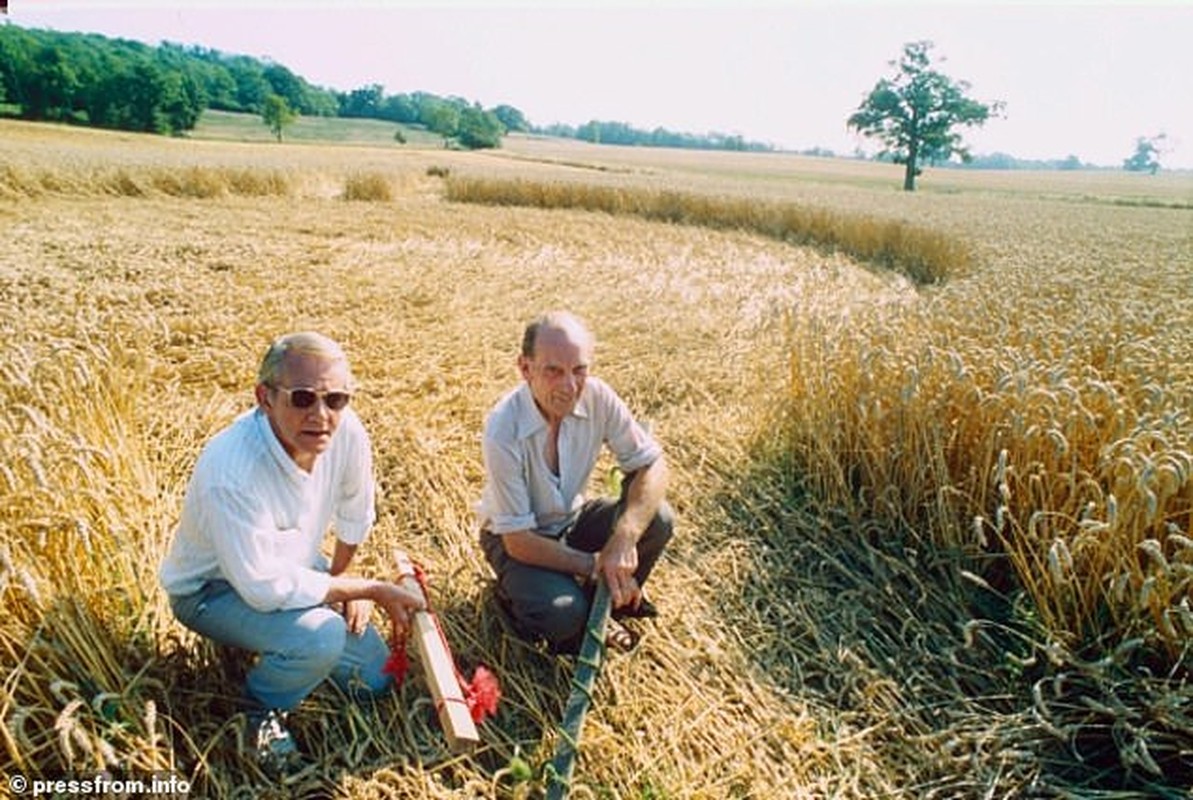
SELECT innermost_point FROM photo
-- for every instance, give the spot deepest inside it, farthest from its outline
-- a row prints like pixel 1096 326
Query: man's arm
pixel 618 559
pixel 648 488
pixel 357 595
pixel 536 550
pixel 398 603
pixel 342 557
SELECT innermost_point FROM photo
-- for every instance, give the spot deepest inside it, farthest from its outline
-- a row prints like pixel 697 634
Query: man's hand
pixel 617 562
pixel 400 604
pixel 356 614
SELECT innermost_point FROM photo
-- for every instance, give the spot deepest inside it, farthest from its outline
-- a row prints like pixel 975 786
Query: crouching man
pixel 546 543
pixel 246 567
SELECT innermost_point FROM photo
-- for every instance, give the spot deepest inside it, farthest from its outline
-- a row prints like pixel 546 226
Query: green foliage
pixel 441 117
pixel 362 102
pixel 277 114
pixel 479 129
pixel 624 134
pixel 915 113
pixel 109 83
pixel 511 118
pixel 1146 157
pixel 117 83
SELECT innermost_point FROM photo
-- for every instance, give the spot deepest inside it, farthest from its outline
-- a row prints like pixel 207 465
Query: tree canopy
pixel 916 112
pixel 90 79
pixel 277 114
pixel 1146 157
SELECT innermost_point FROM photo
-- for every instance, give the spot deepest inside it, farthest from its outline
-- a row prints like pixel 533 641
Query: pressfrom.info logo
pixel 99 785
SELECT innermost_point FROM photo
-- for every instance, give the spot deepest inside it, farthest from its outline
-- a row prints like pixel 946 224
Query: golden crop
pixel 933 541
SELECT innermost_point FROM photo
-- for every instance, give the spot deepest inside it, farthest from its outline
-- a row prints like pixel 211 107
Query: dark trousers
pixel 552 605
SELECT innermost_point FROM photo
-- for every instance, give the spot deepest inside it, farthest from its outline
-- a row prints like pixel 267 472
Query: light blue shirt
pixel 521 492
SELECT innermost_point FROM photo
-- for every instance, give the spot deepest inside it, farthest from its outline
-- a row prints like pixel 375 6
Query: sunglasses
pixel 335 399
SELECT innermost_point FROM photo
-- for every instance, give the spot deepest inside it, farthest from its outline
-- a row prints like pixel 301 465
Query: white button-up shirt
pixel 521 492
pixel 253 518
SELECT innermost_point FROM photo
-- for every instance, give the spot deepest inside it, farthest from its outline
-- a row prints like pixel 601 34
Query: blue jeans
pixel 298 648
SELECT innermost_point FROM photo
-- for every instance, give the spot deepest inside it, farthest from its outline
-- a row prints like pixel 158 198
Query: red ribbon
pixel 481 693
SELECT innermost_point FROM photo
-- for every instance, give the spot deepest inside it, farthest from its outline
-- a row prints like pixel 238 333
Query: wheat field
pixel 933 541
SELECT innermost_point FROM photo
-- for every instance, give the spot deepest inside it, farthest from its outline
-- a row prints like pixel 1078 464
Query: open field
pixel 932 542
pixel 224 126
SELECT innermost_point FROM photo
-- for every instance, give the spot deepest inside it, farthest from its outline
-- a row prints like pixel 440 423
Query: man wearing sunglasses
pixel 246 567
pixel 546 543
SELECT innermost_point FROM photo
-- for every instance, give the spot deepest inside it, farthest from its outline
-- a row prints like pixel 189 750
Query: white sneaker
pixel 269 740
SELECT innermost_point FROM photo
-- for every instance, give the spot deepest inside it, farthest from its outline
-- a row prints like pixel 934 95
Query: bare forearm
pixel 646 493
pixel 541 551
pixel 344 588
pixel 342 557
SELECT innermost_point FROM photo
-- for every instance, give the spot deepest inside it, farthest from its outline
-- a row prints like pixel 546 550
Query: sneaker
pixel 269 740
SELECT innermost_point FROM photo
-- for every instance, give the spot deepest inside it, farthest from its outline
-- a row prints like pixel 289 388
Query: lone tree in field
pixel 915 113
pixel 1146 157
pixel 277 114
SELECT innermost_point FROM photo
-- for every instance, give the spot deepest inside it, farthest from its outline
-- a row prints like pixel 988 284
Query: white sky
pixel 1077 78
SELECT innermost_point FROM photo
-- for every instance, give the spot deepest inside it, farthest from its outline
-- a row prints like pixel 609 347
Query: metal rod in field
pixel 588 668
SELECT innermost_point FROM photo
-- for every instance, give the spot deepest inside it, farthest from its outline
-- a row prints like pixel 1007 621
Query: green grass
pixel 226 126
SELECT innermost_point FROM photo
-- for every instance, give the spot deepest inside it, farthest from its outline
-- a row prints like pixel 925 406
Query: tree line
pixel 117 83
pixel 622 133
pixel 90 79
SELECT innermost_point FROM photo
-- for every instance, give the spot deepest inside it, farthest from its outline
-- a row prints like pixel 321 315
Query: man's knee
pixel 557 619
pixel 661 527
pixel 318 639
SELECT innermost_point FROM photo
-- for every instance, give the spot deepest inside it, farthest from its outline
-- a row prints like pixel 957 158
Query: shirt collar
pixel 274 446
pixel 530 420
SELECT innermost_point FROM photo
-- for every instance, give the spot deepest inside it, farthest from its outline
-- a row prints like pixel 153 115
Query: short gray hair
pixel 555 320
pixel 301 343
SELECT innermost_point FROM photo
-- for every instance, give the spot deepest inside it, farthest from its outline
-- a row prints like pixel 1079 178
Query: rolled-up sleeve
pixel 632 446
pixel 505 504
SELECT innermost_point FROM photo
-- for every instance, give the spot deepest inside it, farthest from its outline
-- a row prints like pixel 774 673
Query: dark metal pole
pixel 588 668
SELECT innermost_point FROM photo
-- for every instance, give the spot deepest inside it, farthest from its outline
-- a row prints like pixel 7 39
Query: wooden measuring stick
pixel 438 666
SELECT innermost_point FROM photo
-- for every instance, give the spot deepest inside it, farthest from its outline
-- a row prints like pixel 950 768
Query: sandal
pixel 644 610
pixel 620 638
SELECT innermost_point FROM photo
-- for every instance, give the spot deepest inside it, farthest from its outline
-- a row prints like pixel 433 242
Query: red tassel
pixel 482 694
pixel 397 664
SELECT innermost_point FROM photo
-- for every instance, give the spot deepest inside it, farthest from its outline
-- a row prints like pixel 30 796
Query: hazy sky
pixel 1077 78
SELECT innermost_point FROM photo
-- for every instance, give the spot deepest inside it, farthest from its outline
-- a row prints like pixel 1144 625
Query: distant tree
pixel 915 113
pixel 399 108
pixel 362 102
pixel 440 116
pixel 251 87
pixel 277 114
pixel 50 85
pixel 285 83
pixel 479 129
pixel 1146 157
pixel 513 119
